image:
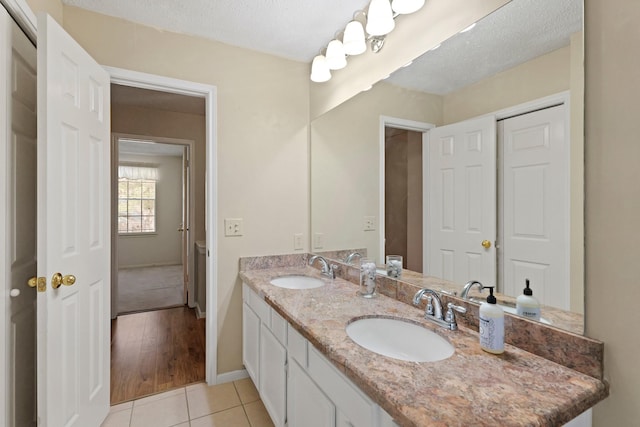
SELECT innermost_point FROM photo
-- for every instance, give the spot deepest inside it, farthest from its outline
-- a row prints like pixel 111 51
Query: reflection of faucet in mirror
pixel 325 268
pixel 465 291
pixel 351 256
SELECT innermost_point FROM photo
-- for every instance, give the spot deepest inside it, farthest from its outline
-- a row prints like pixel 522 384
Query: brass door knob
pixel 486 244
pixel 38 282
pixel 58 279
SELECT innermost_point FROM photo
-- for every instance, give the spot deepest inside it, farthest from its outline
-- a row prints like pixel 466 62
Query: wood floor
pixel 155 351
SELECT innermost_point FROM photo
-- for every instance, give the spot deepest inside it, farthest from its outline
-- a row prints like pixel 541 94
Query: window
pixel 137 199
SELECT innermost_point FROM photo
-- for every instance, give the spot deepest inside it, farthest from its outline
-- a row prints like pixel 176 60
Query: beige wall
pixel 52 7
pixel 345 153
pixel 164 247
pixel 262 115
pixel 612 154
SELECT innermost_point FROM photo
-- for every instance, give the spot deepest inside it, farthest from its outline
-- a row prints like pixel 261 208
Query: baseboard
pixel 160 264
pixel 227 377
pixel 199 313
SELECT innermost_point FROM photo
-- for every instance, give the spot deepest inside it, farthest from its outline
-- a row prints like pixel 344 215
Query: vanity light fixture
pixel 379 21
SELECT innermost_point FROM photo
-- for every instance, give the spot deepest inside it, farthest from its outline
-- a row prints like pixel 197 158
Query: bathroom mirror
pixel 524 57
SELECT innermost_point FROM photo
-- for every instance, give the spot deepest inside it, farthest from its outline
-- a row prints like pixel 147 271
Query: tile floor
pixel 235 404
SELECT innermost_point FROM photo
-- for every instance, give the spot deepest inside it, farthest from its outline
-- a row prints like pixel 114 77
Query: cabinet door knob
pixel 14 292
pixel 486 244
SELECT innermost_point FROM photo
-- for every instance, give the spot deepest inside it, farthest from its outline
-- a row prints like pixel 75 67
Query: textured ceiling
pixel 294 29
pixel 518 32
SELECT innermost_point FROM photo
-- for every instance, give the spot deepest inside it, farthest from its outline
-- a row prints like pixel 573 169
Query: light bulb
pixel 380 18
pixel 320 70
pixel 353 40
pixel 336 58
pixel 404 7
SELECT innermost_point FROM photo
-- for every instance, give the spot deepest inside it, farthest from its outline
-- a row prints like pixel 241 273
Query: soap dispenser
pixel 491 325
pixel 527 305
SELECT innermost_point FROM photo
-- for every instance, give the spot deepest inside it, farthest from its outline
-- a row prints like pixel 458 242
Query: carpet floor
pixel 150 288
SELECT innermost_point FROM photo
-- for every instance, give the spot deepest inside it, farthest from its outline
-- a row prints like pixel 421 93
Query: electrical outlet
pixel 318 240
pixel 369 223
pixel 297 242
pixel 233 227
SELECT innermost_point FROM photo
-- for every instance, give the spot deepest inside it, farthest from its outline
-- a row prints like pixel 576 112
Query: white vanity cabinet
pixel 298 385
pixel 264 353
pixel 307 405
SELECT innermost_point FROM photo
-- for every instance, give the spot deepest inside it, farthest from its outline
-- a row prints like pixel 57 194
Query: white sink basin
pixel 399 339
pixel 512 310
pixel 297 282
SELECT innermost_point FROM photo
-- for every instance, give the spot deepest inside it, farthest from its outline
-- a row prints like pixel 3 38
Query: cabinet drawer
pixel 297 346
pixel 359 409
pixel 279 327
pixel 257 304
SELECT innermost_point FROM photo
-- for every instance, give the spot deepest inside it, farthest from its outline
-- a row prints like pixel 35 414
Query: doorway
pixel 157 217
pixel 154 216
pixel 403 196
pixel 402 178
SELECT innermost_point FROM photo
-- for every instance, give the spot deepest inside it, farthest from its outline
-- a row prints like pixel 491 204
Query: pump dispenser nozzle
pixel 491 299
pixel 527 290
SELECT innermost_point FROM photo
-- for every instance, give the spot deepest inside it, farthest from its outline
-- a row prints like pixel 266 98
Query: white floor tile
pixel 205 400
pixel 159 396
pixel 121 418
pixel 165 412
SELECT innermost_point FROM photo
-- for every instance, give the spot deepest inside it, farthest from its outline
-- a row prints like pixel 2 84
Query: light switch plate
pixel 297 242
pixel 318 240
pixel 233 227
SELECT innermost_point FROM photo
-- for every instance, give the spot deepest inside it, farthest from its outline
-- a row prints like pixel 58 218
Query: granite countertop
pixel 471 387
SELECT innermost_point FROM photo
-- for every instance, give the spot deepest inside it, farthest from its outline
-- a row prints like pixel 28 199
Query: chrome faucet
pixel 433 310
pixel 351 256
pixel 470 284
pixel 325 268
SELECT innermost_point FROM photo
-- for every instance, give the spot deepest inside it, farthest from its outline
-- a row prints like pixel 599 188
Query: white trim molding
pixel 20 11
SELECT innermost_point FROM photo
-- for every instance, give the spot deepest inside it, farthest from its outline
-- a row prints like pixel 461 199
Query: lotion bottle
pixel 527 305
pixel 491 325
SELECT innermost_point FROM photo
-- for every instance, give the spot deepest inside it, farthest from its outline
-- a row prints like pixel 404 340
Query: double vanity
pixel 320 355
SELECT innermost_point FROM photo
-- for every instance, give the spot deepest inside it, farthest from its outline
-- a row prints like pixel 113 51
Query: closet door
pixel 17 224
pixel 535 223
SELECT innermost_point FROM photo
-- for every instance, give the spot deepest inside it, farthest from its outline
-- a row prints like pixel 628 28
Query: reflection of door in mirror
pixel 403 196
pixel 461 208
pixel 534 179
pixel 530 208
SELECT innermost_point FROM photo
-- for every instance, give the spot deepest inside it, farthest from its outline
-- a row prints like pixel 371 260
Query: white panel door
pixel 535 232
pixel 73 231
pixel 17 224
pixel 461 212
